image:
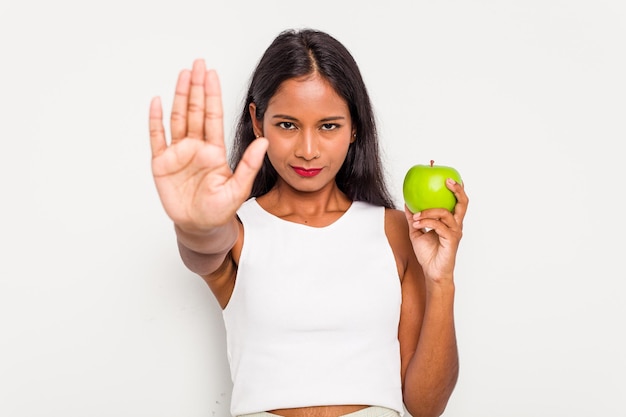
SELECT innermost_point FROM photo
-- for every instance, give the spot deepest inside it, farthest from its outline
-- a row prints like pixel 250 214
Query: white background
pixel 98 316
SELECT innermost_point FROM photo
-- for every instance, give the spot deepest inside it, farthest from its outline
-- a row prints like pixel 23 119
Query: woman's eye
pixel 287 125
pixel 329 126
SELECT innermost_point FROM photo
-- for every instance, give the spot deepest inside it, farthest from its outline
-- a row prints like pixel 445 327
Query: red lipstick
pixel 307 172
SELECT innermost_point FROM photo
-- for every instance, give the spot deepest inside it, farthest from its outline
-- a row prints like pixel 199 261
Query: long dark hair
pixel 296 53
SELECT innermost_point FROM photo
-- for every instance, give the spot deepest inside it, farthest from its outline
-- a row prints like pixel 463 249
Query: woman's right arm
pixel 197 188
pixel 204 254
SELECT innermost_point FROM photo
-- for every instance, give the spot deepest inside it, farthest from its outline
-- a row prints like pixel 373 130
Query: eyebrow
pixel 325 119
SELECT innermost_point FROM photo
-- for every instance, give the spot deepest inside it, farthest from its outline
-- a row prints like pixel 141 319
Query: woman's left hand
pixel 436 233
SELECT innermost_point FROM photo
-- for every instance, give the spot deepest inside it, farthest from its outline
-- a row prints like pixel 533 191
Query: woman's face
pixel 309 129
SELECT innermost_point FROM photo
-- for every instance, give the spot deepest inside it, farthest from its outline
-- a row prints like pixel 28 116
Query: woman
pixel 335 303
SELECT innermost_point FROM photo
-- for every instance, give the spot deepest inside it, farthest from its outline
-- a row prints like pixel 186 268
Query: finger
pixel 461 199
pixel 443 223
pixel 157 131
pixel 213 113
pixel 248 167
pixel 195 105
pixel 178 119
pixel 412 219
pixel 449 222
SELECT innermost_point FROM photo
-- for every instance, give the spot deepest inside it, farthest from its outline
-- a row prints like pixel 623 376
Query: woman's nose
pixel 307 146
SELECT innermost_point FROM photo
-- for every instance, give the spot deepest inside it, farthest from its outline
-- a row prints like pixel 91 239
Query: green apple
pixel 425 187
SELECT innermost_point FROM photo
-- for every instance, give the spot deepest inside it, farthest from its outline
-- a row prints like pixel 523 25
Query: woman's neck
pixel 318 208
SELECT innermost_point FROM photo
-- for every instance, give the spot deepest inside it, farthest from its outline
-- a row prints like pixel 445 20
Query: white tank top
pixel 313 318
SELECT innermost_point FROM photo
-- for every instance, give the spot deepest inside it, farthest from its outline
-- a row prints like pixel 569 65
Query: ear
pixel 257 124
pixel 353 137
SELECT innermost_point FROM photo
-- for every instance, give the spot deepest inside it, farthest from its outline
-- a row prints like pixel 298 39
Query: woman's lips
pixel 307 172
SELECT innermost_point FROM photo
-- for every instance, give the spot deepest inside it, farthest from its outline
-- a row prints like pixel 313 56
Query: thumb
pixel 249 166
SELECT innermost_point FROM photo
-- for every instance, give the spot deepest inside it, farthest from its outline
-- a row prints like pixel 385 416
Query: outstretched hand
pixel 436 233
pixel 196 186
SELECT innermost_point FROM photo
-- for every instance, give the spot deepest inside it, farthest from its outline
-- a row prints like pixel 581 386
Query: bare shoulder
pixel 397 231
pixel 395 222
pixel 397 228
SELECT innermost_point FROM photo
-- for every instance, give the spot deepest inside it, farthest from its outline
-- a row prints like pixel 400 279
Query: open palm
pixel 197 188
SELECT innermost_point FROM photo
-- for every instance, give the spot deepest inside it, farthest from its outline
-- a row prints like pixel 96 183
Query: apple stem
pixel 432 162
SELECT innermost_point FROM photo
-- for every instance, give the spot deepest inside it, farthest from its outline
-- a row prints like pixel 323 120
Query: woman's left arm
pixel 427 335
